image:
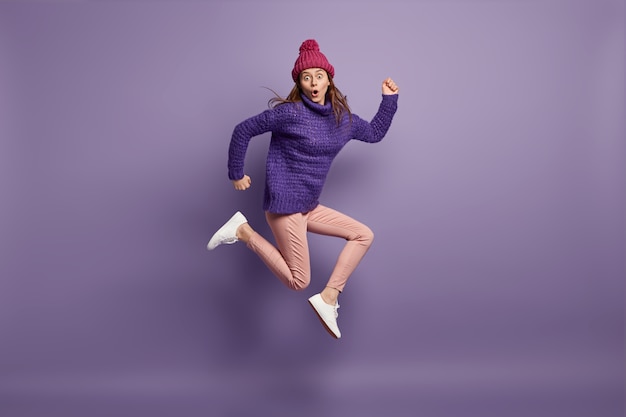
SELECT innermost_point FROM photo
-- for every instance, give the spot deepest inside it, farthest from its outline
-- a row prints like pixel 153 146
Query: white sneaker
pixel 227 234
pixel 327 314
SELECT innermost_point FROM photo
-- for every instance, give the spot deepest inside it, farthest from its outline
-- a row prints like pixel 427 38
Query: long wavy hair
pixel 338 101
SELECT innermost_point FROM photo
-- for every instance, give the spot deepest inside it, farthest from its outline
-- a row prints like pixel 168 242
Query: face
pixel 314 83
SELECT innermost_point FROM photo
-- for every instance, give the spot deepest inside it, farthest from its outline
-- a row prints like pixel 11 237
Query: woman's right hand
pixel 242 184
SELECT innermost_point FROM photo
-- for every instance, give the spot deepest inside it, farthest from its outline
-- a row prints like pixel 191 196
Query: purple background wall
pixel 495 286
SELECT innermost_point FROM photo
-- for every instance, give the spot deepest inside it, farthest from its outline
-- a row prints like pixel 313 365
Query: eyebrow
pixel 308 72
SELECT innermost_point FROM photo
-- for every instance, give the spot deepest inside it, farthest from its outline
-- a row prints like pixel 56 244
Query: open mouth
pixel 314 93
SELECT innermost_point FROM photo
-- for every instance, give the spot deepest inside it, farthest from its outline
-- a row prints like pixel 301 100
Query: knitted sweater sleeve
pixel 243 132
pixel 375 130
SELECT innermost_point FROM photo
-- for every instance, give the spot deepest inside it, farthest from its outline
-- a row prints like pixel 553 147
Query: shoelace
pixel 335 308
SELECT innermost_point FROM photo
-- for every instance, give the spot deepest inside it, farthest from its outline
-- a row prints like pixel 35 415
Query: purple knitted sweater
pixel 305 140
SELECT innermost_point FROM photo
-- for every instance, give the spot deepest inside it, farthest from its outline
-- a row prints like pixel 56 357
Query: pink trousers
pixel 290 262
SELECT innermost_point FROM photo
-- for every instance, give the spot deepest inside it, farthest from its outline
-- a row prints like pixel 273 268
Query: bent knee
pixel 367 236
pixel 299 284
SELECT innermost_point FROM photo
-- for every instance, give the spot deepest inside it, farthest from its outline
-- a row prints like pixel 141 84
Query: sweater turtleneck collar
pixel 324 110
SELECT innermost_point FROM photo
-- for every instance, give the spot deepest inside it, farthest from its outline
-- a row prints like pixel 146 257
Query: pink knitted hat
pixel 311 57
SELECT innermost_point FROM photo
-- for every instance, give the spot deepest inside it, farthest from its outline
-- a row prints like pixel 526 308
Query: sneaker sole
pixel 216 235
pixel 330 332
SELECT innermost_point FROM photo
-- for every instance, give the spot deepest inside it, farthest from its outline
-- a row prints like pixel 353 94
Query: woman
pixel 309 128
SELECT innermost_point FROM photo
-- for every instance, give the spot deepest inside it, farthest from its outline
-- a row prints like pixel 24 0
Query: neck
pixel 324 108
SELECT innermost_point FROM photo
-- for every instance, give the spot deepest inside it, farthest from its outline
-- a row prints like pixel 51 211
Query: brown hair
pixel 338 101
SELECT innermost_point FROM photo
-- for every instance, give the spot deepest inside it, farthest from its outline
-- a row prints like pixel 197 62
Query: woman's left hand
pixel 390 87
